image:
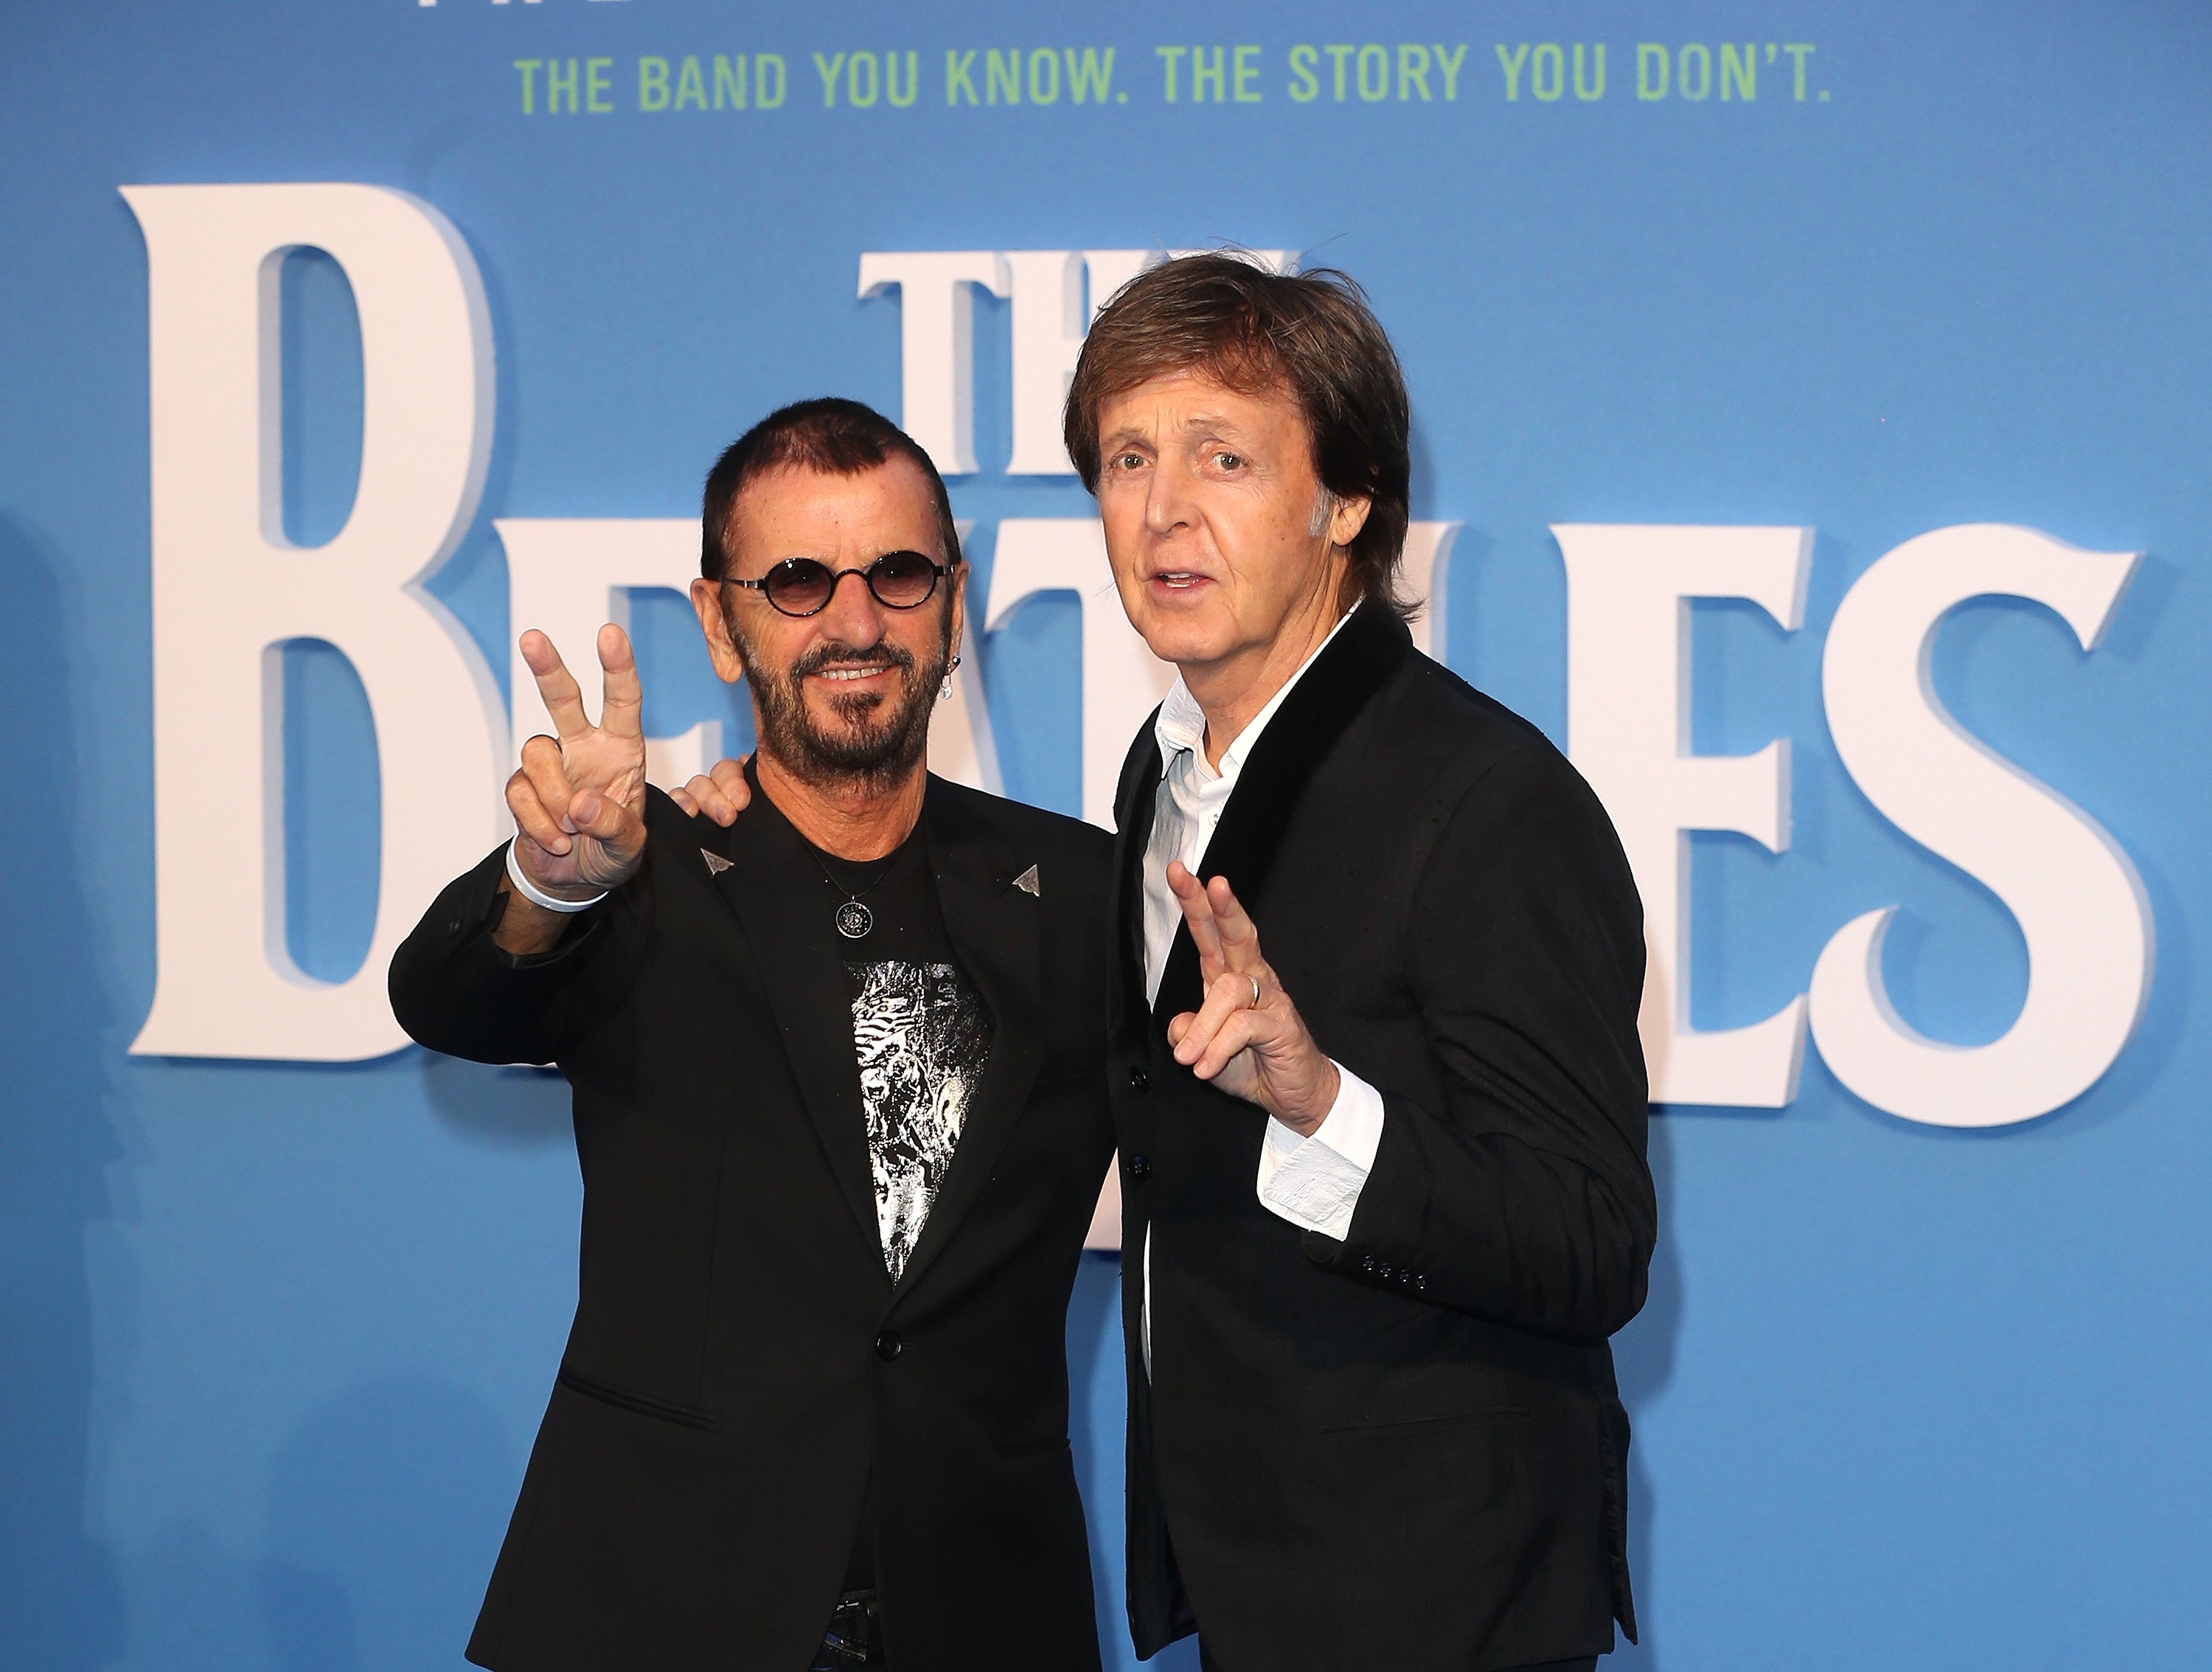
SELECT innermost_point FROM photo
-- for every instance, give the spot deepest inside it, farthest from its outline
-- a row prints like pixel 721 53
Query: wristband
pixel 537 896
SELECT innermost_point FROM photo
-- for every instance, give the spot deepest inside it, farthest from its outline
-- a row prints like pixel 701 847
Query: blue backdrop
pixel 274 1338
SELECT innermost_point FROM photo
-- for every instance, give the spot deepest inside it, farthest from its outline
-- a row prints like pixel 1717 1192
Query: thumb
pixel 606 820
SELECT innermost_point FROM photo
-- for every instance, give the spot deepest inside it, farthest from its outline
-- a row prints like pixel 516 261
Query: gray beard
pixel 882 739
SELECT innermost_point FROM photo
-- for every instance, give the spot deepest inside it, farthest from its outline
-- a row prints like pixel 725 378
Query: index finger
pixel 621 708
pixel 729 777
pixel 556 687
pixel 1198 912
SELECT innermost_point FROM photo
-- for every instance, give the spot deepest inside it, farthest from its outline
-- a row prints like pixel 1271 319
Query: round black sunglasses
pixel 804 587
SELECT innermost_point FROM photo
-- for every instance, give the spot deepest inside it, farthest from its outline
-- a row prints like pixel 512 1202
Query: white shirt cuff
pixel 1315 1182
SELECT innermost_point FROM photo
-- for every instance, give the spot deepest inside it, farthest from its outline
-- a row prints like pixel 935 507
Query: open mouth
pixel 1178 581
pixel 845 675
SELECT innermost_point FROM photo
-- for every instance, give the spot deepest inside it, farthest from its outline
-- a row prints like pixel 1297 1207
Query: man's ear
pixel 1347 518
pixel 721 644
pixel 957 580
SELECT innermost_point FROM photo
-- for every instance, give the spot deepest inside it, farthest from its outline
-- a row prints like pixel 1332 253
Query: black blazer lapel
pixel 995 929
pixel 1133 832
pixel 781 903
pixel 1343 679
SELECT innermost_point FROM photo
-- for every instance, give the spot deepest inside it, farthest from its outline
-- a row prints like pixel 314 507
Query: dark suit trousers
pixel 1209 1665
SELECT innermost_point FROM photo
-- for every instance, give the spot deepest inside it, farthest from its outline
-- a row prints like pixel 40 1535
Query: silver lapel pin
pixel 1027 882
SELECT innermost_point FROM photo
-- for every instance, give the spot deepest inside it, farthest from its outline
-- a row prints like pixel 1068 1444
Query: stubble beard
pixel 874 743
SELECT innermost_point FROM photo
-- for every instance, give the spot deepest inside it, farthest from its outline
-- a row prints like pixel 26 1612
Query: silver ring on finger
pixel 1254 980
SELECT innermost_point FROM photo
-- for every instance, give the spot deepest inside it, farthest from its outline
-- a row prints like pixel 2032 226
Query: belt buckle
pixel 851 1637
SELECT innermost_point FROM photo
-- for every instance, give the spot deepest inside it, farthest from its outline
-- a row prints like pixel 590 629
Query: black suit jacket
pixel 1403 1449
pixel 740 1357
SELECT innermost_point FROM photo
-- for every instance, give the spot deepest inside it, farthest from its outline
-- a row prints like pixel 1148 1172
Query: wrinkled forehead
pixel 798 511
pixel 1202 397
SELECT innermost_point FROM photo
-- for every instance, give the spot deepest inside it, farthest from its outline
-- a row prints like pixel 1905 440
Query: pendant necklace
pixel 853 920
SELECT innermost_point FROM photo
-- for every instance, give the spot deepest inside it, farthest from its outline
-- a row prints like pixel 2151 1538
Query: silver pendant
pixel 855 920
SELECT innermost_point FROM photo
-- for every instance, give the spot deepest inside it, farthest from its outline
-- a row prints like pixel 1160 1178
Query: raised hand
pixel 720 791
pixel 579 798
pixel 1247 1037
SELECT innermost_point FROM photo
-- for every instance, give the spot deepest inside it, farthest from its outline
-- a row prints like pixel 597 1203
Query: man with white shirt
pixel 1384 1189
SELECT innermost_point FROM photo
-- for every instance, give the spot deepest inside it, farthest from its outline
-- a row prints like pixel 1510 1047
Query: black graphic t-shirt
pixel 920 1032
pixel 920 1035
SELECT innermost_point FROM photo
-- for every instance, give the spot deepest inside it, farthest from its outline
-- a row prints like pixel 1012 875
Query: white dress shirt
pixel 1313 1182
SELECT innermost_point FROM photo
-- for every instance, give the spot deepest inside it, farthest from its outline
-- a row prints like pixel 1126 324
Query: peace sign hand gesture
pixel 579 800
pixel 1247 1037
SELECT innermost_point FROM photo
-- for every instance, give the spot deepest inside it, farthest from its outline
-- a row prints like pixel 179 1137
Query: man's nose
pixel 851 616
pixel 1167 499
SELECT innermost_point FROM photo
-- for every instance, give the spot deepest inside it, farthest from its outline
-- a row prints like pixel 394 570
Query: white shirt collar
pixel 1182 722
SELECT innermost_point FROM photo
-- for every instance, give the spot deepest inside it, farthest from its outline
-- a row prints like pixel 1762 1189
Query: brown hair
pixel 1311 335
pixel 831 436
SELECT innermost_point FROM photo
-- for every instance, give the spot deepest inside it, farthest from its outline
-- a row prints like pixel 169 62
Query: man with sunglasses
pixel 840 1110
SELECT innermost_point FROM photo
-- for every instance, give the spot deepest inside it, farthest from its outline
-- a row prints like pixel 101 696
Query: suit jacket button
pixel 1421 1282
pixel 889 1346
pixel 1139 1168
pixel 1139 1081
pixel 1367 1264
